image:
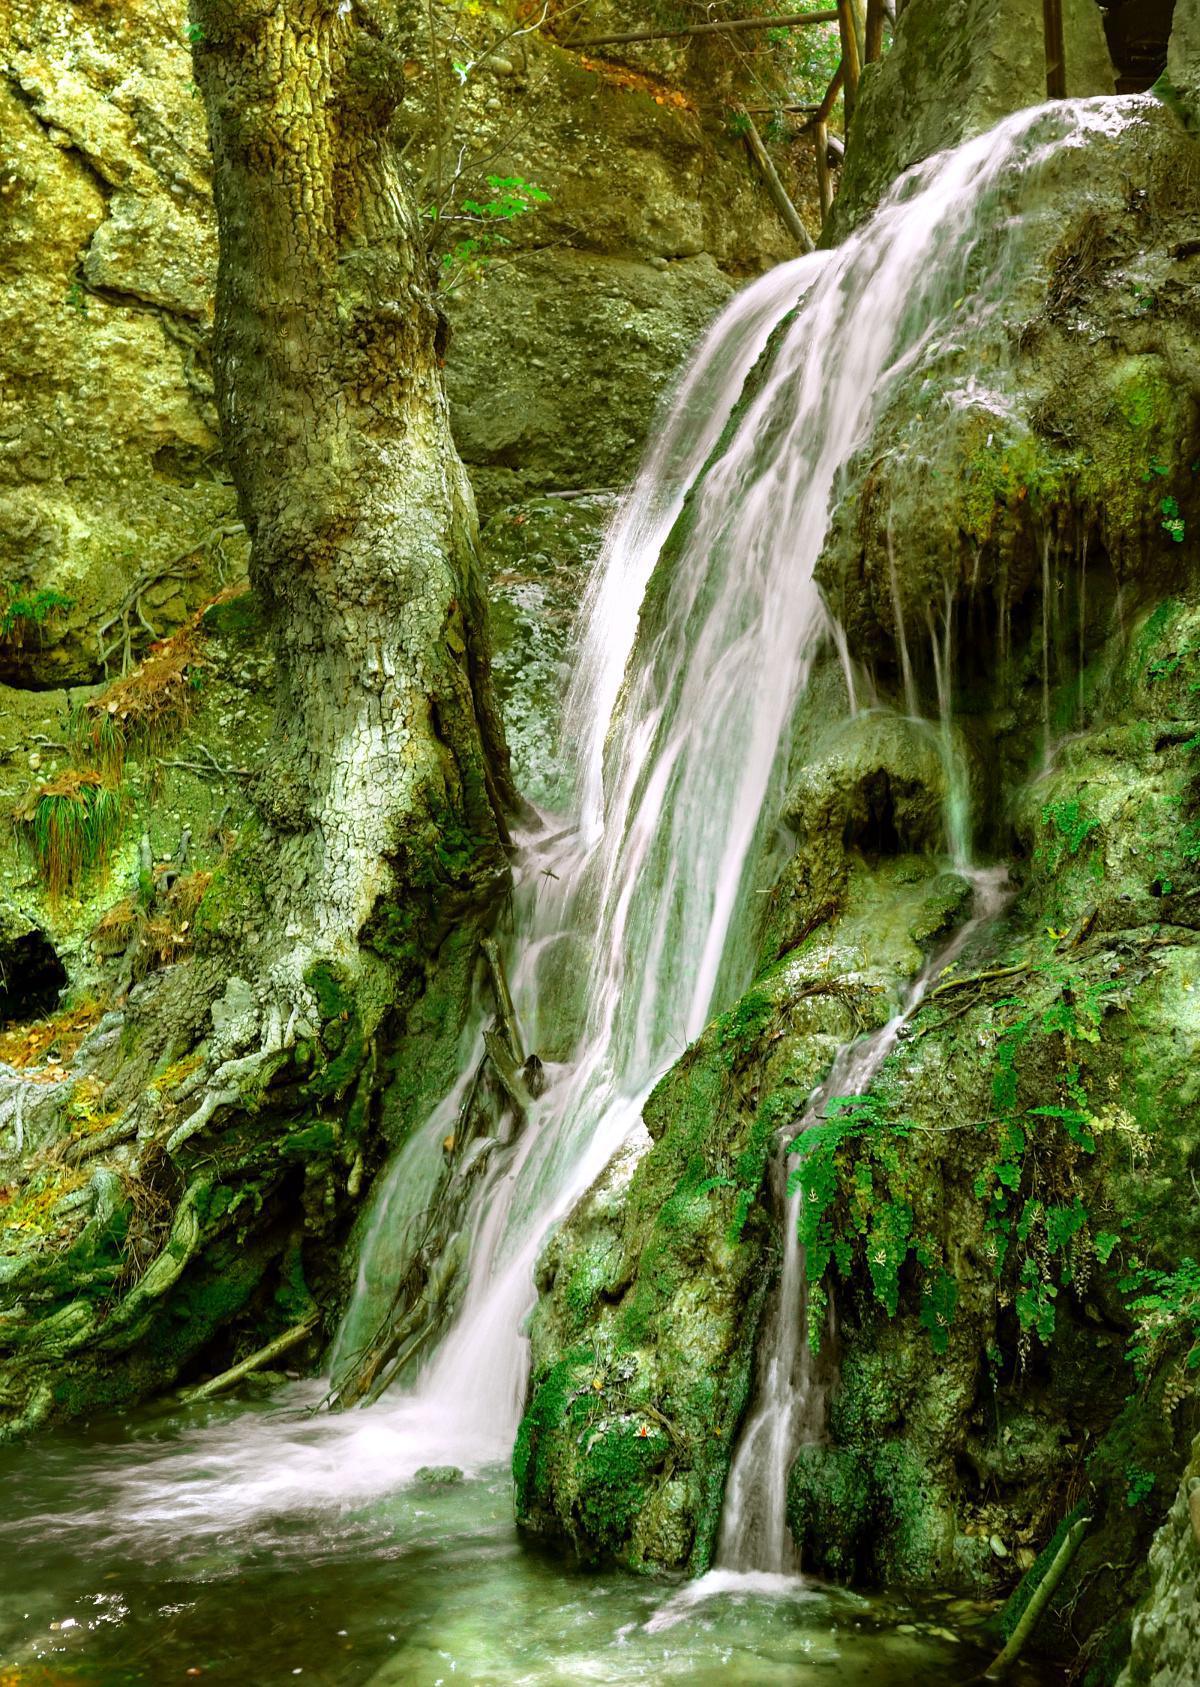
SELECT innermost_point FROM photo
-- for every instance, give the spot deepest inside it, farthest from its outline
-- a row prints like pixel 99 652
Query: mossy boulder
pixel 650 1294
pixel 1166 1631
pixel 1061 418
pixel 955 69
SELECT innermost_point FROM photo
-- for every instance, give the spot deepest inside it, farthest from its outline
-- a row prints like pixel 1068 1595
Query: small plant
pixel 70 826
pixel 856 1194
pixel 1138 1485
pixel 1166 1310
pixel 512 197
pixel 27 611
pixel 1173 523
pixel 1068 823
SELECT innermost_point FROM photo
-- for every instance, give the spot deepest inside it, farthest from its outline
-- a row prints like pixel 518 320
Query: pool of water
pixel 261 1544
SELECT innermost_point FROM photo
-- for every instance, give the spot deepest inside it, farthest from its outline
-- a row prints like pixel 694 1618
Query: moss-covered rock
pixel 540 556
pixel 1166 1631
pixel 650 1295
pixel 955 70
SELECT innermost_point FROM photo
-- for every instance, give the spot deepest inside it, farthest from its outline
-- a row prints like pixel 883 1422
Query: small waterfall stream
pixel 791 1384
pixel 680 712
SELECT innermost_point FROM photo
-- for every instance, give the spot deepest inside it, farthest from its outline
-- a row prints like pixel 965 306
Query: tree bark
pixel 392 776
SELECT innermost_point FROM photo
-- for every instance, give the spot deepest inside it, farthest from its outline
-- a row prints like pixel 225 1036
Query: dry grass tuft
pixel 145 708
pixel 70 825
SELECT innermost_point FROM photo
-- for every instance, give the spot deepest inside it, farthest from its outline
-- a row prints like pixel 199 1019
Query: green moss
pixel 293 1298
pixel 312 1141
pixel 329 985
pixel 829 1508
pixel 550 1402
pixel 27 610
pixel 240 617
pixel 868 1511
pixel 618 1462
pixel 236 899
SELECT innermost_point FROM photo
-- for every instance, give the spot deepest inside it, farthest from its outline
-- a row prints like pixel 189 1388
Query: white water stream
pixel 680 722
pixel 790 1392
pixel 680 708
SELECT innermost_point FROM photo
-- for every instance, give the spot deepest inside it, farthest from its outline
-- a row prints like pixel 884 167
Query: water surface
pixel 210 1543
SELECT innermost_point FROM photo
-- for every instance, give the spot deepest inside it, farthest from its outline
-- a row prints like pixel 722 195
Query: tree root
pixel 254 1362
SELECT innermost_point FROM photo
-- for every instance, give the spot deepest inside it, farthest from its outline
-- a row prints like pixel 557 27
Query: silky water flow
pixel 685 687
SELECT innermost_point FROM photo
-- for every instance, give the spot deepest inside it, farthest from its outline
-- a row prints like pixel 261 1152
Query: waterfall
pixel 682 701
pixel 686 685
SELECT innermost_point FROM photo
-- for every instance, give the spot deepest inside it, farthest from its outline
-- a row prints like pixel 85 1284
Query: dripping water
pixel 792 1385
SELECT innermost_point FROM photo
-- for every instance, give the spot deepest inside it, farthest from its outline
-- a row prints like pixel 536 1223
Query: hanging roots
pixel 144 709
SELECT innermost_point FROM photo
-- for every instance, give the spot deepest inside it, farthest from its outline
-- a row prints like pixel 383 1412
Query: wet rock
pixel 1166 1631
pixel 954 70
pixel 436 1478
pixel 539 556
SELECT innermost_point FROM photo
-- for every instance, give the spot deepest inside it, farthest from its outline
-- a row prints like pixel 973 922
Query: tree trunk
pixel 392 773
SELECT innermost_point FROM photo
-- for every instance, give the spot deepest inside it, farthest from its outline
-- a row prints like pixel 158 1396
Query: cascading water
pixel 682 725
pixel 685 689
pixel 790 1394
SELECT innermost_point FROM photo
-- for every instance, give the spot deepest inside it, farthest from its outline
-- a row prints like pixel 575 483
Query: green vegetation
pixel 1173 523
pixel 857 1188
pixel 30 610
pixel 71 826
pixel 512 197
pixel 1166 1308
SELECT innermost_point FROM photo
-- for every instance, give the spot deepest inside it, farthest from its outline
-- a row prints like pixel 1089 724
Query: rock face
pixel 1183 60
pixel 955 69
pixel 569 328
pixel 539 553
pixel 113 515
pixel 1166 1630
pixel 116 519
pixel 1006 1224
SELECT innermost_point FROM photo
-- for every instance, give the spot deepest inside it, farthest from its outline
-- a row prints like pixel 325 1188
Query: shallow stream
pixel 175 1546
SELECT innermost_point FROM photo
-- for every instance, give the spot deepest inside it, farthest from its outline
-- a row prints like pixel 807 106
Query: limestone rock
pixel 1166 1630
pixel 956 68
pixel 107 259
pixel 540 555
pixel 559 359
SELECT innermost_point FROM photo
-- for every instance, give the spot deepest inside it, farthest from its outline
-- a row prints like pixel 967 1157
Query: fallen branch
pixel 851 58
pixel 507 1071
pixel 977 978
pixel 217 1385
pixel 796 20
pixel 779 197
pixel 1038 1600
pixel 504 1002
pixel 824 185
